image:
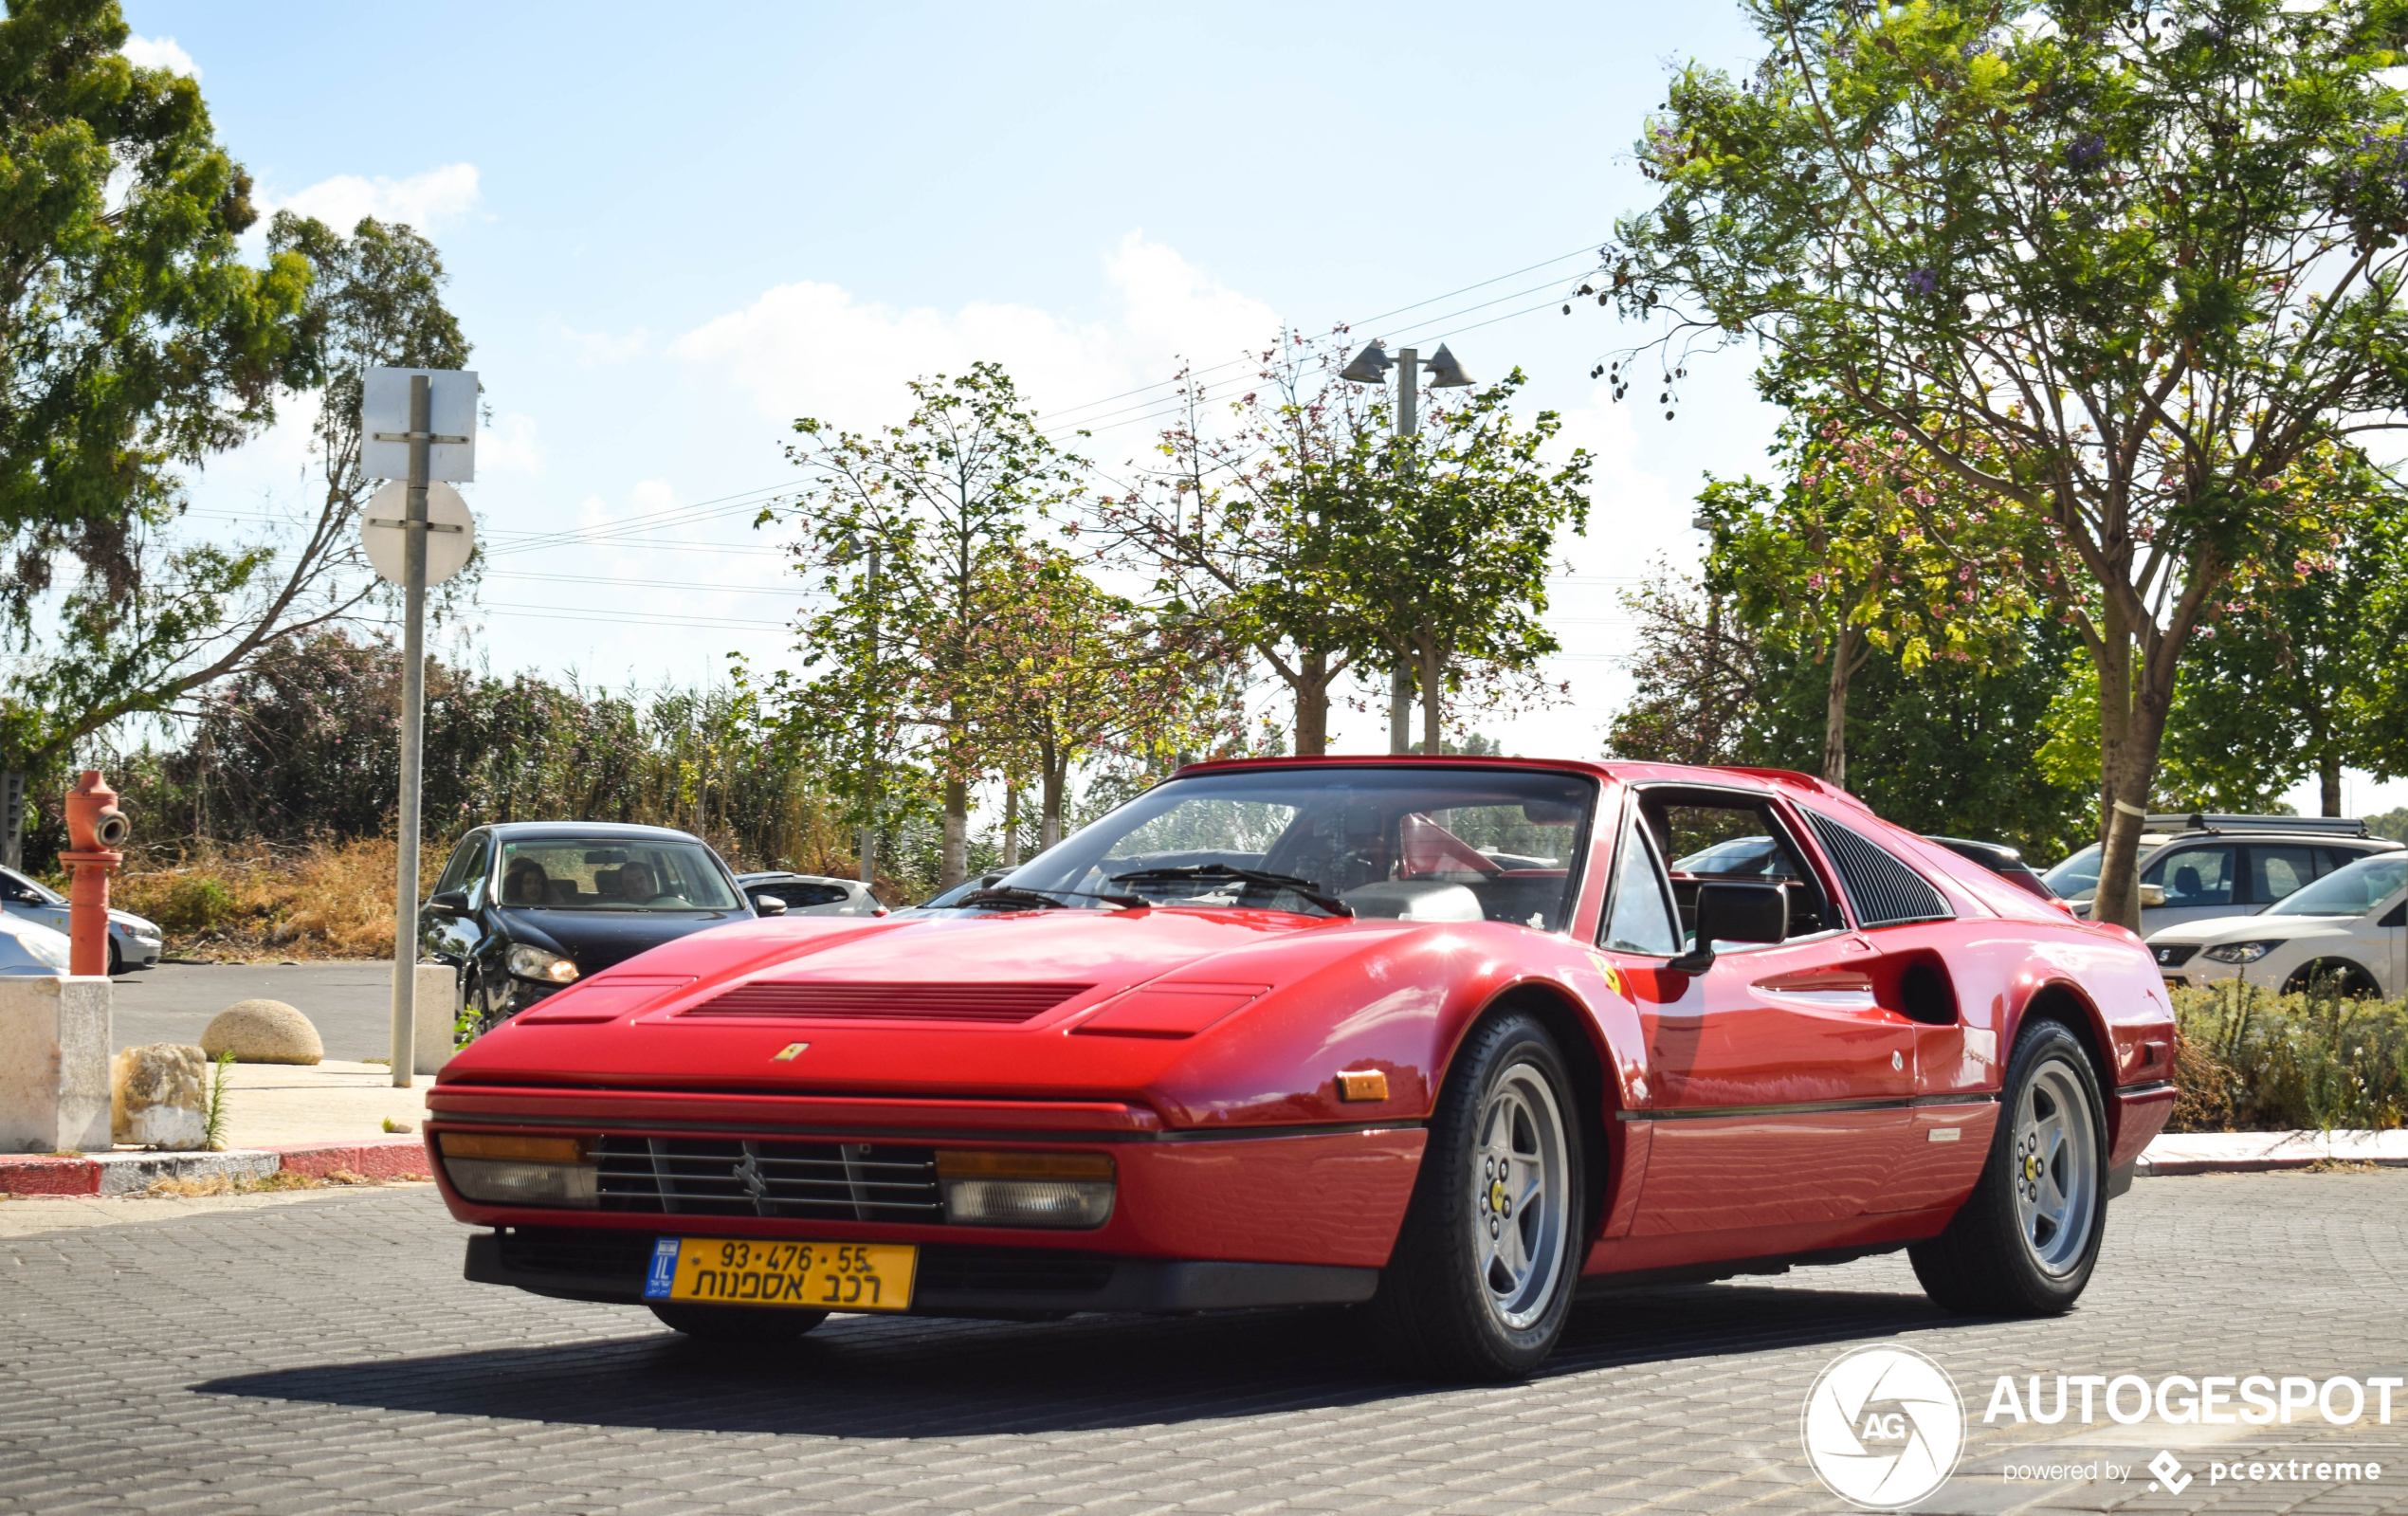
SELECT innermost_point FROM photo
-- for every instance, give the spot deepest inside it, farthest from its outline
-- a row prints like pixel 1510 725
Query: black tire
pixel 486 1016
pixel 117 959
pixel 1997 1258
pixel 739 1324
pixel 1439 1312
pixel 2337 977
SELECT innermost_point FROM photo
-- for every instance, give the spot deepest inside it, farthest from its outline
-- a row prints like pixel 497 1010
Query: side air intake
pixel 766 999
pixel 1884 890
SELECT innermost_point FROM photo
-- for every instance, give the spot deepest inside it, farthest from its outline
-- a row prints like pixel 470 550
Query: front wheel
pixel 739 1324
pixel 2026 1240
pixel 1484 1271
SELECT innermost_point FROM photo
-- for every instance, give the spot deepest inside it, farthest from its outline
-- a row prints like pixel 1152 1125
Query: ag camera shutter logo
pixel 1882 1427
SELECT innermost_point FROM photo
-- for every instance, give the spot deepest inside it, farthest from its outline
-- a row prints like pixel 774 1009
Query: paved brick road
pixel 326 1357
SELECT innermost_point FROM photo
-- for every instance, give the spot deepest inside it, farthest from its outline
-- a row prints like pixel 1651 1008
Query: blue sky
pixel 672 229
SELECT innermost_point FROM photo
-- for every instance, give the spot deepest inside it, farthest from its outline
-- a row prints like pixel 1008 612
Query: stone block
pixel 435 1011
pixel 54 1063
pixel 158 1097
pixel 263 1031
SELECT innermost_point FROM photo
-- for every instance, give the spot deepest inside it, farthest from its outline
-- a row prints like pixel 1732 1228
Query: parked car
pixel 29 947
pixel 133 941
pixel 811 894
pixel 525 907
pixel 2006 862
pixel 2197 867
pixel 1440 1036
pixel 2349 928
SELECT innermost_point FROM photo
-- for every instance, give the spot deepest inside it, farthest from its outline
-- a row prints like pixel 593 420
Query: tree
pixel 1448 547
pixel 170 618
pixel 1837 569
pixel 945 499
pixel 1698 675
pixel 2119 268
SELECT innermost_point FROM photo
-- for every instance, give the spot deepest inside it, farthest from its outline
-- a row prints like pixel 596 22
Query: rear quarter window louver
pixel 1882 890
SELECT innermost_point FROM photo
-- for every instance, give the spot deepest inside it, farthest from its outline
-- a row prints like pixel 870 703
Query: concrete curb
pixel 2182 1153
pixel 396 1157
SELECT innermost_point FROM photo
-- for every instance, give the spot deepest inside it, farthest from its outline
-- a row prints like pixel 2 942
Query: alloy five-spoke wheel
pixel 1482 1274
pixel 2056 1168
pixel 1521 1196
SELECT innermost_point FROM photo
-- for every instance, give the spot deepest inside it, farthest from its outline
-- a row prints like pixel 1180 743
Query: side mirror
pixel 1734 913
pixel 449 902
pixel 768 905
pixel 2152 895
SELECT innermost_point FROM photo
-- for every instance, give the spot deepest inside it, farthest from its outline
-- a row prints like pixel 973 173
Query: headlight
pixel 535 963
pixel 2240 952
pixel 1025 1189
pixel 506 1170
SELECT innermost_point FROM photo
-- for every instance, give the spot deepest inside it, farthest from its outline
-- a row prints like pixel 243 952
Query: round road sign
pixel 452 533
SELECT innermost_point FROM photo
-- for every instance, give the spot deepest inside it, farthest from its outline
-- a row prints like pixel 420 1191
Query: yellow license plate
pixel 808 1276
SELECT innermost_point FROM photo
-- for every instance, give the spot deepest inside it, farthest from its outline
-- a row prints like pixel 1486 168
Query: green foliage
pixel 2255 1061
pixel 2392 824
pixel 213 1119
pixel 194 903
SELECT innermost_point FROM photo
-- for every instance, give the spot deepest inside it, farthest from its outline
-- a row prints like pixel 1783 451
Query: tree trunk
pixel 1311 688
pixel 1434 707
pixel 1843 660
pixel 1401 704
pixel 1010 825
pixel 1056 780
pixel 2131 726
pixel 2328 769
pixel 953 862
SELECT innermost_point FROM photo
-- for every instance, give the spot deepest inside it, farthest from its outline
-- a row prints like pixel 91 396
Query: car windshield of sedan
pixel 2352 889
pixel 572 873
pixel 2076 878
pixel 1425 844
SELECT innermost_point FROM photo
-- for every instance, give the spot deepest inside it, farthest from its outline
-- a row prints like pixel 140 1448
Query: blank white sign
pixel 384 406
pixel 388 543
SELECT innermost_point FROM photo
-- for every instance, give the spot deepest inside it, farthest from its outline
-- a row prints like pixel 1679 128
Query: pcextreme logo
pixel 1882 1427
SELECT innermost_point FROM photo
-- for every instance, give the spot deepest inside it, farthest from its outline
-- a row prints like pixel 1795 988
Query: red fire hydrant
pixel 95 828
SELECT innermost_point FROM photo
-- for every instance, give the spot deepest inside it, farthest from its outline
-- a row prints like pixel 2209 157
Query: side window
pixel 466 870
pixel 1709 835
pixel 17 891
pixel 2194 876
pixel 1885 889
pixel 1640 918
pixel 2274 872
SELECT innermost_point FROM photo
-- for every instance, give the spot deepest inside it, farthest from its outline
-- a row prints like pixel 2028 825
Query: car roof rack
pixel 2213 822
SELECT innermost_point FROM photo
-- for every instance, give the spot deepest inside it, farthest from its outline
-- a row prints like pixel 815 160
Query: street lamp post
pixel 1370 366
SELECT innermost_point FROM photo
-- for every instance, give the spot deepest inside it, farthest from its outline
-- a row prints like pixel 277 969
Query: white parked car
pixel 2350 926
pixel 29 947
pixel 811 894
pixel 133 942
pixel 2199 867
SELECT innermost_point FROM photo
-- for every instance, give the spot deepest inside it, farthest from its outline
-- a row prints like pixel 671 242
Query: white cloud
pixel 813 348
pixel 161 52
pixel 597 349
pixel 507 444
pixel 422 200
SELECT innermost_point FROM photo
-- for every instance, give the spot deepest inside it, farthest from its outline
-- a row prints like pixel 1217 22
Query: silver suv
pixel 2199 865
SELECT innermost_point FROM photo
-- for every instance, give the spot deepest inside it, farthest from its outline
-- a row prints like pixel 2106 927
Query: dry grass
pixel 233 903
pixel 280 1179
pixel 2249 1060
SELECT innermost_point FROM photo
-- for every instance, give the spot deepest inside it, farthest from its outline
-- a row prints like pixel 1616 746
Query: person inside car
pixel 637 886
pixel 526 885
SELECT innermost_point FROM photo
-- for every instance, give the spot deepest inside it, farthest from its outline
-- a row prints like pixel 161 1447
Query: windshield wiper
pixel 1040 895
pixel 1252 876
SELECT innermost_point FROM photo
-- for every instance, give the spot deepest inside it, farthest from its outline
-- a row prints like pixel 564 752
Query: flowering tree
pixel 2148 256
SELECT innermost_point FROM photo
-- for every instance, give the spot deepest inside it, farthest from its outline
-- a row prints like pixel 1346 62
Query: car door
pixel 2199 880
pixel 1779 1087
pixel 2386 934
pixel 22 898
pixel 453 939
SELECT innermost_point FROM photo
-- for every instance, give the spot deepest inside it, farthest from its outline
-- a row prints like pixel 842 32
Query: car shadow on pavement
pixel 918 1377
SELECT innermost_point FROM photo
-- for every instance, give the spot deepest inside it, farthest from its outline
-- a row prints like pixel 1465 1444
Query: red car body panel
pixel 1780 1104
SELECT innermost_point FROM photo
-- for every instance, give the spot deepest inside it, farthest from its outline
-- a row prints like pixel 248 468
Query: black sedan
pixel 525 907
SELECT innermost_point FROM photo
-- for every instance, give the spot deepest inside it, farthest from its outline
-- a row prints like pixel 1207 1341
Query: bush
pixel 325 900
pixel 2251 1060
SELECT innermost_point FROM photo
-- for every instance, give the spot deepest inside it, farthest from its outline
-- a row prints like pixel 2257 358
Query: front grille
pixel 2174 955
pixel 576 1252
pixel 823 1181
pixel 890 1002
pixel 1031 1269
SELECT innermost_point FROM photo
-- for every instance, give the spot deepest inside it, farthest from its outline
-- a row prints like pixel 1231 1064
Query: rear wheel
pixel 2026 1240
pixel 1484 1271
pixel 2334 976
pixel 738 1324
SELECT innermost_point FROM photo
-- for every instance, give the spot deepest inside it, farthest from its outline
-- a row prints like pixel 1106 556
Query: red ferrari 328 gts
pixel 1452 1039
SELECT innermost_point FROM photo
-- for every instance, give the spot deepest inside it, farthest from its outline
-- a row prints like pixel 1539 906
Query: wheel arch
pixel 2062 1001
pixel 1578 1039
pixel 2299 978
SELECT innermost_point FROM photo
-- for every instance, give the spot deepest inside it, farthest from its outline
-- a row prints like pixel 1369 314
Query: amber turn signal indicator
pixel 1362 1084
pixel 953 1163
pixel 515 1148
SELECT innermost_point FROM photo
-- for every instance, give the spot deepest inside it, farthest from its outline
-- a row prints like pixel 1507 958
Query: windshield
pixel 2351 890
pixel 570 873
pixel 1426 843
pixel 2077 878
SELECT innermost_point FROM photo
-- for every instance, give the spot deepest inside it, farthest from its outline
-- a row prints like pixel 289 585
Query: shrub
pixel 2251 1060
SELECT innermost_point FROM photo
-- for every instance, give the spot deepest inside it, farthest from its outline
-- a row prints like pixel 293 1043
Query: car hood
pixel 1000 990
pixel 2249 928
pixel 597 939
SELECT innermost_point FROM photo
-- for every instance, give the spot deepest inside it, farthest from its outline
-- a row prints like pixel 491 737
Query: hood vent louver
pixel 1000 1004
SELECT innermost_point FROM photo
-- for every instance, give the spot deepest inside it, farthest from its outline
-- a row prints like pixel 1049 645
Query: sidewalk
pixel 2258 1152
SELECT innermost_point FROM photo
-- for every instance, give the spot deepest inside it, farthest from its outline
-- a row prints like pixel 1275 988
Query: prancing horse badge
pixel 786 1054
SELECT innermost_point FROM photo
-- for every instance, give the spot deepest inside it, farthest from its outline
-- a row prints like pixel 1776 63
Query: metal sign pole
pixel 414 702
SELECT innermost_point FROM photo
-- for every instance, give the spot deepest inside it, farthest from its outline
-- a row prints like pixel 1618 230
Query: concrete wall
pixel 435 1010
pixel 54 1063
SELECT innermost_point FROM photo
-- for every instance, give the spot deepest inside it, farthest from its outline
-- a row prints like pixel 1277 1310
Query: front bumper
pixel 572 1263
